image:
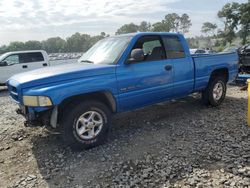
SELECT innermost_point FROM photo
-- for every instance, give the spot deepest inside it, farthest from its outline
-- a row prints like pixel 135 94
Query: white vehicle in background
pixel 198 51
pixel 12 63
pixel 201 51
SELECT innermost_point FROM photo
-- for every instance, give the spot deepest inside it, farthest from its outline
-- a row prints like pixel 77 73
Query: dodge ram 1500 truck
pixel 118 74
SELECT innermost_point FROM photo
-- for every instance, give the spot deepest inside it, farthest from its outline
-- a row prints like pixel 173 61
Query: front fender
pixel 58 92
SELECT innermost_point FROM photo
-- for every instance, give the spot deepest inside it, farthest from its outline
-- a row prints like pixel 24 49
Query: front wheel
pixel 86 124
pixel 215 92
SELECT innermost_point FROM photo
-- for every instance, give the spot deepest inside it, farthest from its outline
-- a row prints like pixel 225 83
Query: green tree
pixel 192 42
pixel 103 34
pixel 127 28
pixel 185 23
pixel 32 45
pixel 160 27
pixel 144 26
pixel 172 21
pixel 3 49
pixel 78 43
pixel 230 15
pixel 16 46
pixel 245 21
pixel 96 38
pixel 53 45
pixel 208 28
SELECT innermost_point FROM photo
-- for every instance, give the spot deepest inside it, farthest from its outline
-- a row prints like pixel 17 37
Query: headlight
pixel 36 101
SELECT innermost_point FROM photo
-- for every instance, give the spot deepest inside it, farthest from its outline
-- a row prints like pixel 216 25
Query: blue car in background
pixel 118 74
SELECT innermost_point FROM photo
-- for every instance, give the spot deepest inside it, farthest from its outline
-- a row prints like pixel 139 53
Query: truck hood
pixel 60 73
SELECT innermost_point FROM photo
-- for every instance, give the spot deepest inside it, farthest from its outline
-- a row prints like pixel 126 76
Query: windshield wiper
pixel 86 61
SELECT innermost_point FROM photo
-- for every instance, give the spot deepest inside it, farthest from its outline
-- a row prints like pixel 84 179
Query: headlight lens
pixel 36 101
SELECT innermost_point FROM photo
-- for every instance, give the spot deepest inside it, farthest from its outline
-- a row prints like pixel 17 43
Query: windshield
pixel 2 57
pixel 106 51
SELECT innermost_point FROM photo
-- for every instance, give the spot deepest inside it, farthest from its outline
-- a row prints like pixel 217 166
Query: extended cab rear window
pixel 31 57
pixel 174 47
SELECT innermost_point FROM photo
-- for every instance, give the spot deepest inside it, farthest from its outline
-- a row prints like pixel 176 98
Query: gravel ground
pixel 177 144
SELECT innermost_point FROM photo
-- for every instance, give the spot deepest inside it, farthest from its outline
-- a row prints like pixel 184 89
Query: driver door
pixel 148 81
pixel 10 66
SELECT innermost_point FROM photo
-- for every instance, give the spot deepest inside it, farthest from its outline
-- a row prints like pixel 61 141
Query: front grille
pixel 14 89
pixel 13 92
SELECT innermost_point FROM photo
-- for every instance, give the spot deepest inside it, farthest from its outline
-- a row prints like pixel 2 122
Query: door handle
pixel 25 66
pixel 168 67
pixel 45 64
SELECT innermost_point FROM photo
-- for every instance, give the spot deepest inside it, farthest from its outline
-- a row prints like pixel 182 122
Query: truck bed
pixel 205 64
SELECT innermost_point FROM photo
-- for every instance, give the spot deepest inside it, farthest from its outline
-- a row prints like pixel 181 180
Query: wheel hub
pixel 218 91
pixel 89 125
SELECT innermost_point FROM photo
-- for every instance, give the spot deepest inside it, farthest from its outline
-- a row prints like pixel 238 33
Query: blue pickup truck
pixel 118 74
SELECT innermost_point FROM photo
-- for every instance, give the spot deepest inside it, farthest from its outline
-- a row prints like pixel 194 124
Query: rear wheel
pixel 215 92
pixel 86 125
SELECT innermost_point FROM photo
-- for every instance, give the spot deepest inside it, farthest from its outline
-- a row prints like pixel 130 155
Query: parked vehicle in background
pixel 118 74
pixel 64 56
pixel 231 49
pixel 244 54
pixel 197 51
pixel 201 51
pixel 12 63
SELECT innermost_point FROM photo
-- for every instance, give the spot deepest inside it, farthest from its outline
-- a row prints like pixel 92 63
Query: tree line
pixel 82 42
pixel 76 43
pixel 172 22
pixel 235 17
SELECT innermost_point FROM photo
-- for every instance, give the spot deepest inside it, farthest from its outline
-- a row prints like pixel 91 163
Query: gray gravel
pixel 177 144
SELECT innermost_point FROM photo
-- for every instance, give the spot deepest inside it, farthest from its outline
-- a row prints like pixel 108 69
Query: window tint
pixel 173 46
pixel 31 57
pixel 152 48
pixel 12 59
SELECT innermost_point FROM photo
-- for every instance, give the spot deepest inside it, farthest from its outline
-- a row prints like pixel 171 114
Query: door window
pixel 173 46
pixel 24 58
pixel 150 45
pixel 152 48
pixel 11 60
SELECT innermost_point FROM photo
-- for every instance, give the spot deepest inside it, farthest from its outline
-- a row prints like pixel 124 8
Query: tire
pixel 78 120
pixel 209 97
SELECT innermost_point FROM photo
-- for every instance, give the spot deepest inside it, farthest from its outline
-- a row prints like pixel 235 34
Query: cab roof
pixel 148 33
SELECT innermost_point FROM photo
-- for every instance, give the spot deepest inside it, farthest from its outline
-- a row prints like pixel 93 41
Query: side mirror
pixel 3 64
pixel 136 55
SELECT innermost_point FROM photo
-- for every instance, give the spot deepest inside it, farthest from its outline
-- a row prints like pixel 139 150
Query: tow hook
pixel 26 124
pixel 30 123
pixel 18 111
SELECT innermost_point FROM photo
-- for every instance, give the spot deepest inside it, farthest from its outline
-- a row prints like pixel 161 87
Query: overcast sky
pixel 40 19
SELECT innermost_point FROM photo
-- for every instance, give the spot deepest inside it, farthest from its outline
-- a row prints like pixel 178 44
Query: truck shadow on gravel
pixel 159 145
